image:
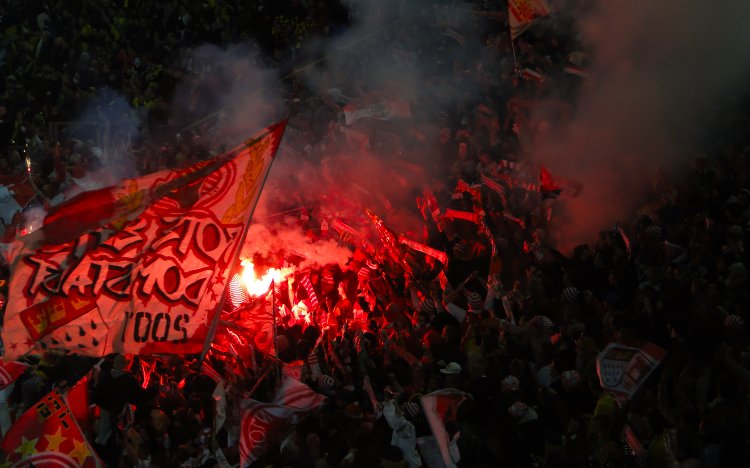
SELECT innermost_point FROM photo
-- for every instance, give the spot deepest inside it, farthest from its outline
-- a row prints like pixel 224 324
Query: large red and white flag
pixel 440 407
pixel 523 13
pixel 140 267
pixel 264 424
pixel 47 434
pixel 10 371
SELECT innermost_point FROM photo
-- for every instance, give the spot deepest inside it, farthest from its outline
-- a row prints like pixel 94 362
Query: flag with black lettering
pixel 140 267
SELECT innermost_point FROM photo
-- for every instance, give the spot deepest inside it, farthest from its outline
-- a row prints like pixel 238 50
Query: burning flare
pixel 259 286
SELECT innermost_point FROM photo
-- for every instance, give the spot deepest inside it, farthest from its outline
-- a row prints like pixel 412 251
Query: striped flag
pixel 237 292
pixel 307 284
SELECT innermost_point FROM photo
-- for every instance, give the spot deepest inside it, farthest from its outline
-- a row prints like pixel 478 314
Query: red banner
pixel 149 279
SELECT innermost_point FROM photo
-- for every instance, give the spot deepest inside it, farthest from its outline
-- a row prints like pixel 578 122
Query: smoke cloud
pixel 267 239
pixel 370 163
pixel 384 58
pixel 657 67
pixel 230 90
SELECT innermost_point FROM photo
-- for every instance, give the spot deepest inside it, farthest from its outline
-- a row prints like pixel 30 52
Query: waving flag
pixel 264 424
pixel 150 277
pixel 554 185
pixel 440 407
pixel 623 369
pixel 10 371
pixel 77 399
pixel 47 434
pixel 523 13
pixel 425 249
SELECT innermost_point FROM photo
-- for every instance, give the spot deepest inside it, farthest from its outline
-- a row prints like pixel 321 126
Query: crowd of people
pixel 481 302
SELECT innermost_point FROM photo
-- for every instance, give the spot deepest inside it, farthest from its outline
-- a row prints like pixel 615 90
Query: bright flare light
pixel 259 286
